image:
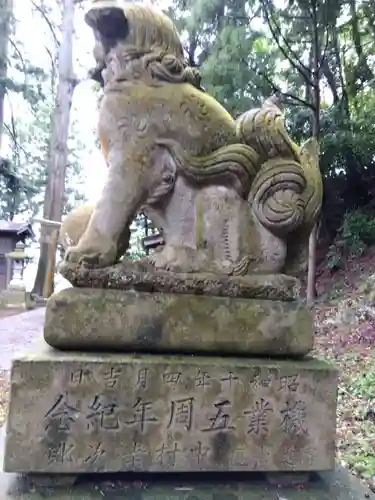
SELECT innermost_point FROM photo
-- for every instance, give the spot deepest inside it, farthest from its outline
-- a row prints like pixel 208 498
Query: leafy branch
pixel 286 49
pixel 288 98
pixel 42 12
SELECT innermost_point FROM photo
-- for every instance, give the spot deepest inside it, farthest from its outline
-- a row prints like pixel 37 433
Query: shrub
pixel 356 233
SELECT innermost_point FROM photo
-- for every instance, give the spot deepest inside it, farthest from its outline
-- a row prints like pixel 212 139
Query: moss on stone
pixel 180 323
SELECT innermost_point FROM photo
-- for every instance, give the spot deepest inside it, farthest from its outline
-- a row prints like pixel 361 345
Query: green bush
pixel 355 235
pixel 334 258
pixel 358 229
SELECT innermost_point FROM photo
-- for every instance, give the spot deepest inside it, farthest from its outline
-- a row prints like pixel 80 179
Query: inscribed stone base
pixel 77 413
pixel 335 485
pixel 94 319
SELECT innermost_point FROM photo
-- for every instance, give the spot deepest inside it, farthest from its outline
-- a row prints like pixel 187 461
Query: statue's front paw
pixel 158 260
pixel 91 255
pixel 179 259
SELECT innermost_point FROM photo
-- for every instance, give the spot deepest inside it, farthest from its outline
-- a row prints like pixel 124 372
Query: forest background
pixel 318 56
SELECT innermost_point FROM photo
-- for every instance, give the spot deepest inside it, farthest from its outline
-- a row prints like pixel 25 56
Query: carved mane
pixel 152 45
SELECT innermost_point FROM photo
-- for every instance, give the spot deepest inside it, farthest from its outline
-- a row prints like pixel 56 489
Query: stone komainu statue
pixel 74 225
pixel 231 196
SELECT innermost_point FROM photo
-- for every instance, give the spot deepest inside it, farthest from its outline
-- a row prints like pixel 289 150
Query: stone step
pixel 83 318
pixel 78 413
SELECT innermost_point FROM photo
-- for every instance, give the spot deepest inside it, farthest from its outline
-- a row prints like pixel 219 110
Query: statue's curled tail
pixel 286 194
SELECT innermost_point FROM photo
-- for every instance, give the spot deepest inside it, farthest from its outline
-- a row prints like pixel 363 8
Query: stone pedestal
pixel 157 379
pixel 335 485
pixel 338 484
pixel 76 413
pixel 107 320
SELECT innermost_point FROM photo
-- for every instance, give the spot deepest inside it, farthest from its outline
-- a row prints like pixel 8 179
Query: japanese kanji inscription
pixel 170 415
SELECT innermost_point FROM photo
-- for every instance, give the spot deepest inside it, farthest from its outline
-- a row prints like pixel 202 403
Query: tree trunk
pixel 311 275
pixel 58 150
pixel 356 35
pixel 369 13
pixel 363 72
pixel 6 11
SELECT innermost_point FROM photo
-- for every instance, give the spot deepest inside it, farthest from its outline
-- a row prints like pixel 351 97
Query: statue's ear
pixel 110 22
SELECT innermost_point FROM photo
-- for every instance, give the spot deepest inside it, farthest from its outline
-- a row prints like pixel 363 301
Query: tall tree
pixel 11 185
pixel 58 150
pixel 302 31
pixel 6 10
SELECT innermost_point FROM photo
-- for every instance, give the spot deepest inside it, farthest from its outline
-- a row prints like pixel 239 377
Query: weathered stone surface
pixel 118 320
pixel 143 278
pixel 226 192
pixel 336 485
pixel 13 297
pixel 74 413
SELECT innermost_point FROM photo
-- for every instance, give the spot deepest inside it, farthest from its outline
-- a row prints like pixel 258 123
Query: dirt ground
pixel 345 334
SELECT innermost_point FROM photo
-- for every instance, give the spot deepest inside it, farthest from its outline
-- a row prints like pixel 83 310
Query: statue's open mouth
pixel 109 25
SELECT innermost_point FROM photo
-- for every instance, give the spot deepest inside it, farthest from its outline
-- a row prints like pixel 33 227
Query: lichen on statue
pixel 232 197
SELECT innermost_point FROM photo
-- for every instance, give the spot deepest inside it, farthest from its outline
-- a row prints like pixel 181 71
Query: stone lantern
pixel 15 295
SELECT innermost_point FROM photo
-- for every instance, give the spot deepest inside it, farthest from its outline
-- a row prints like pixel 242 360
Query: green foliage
pixel 136 250
pixel 16 192
pixel 140 229
pixel 347 159
pixel 354 236
pixel 359 230
pixel 334 258
pixel 363 463
pixel 30 99
pixel 27 152
pixel 231 72
pixel 231 52
pixel 362 387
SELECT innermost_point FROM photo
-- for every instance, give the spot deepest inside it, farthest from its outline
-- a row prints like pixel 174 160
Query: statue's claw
pixel 159 260
pixel 92 255
pixel 179 259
